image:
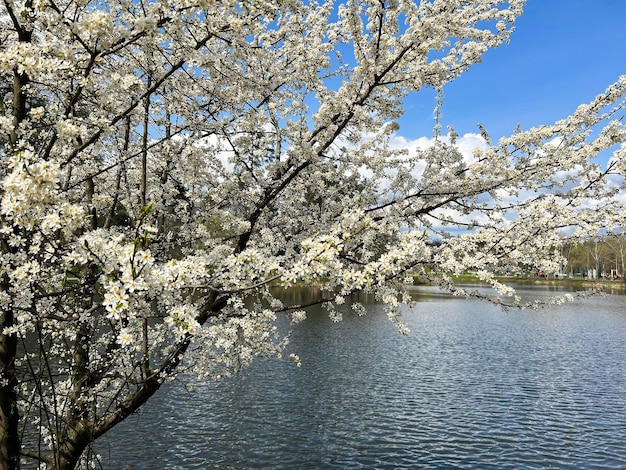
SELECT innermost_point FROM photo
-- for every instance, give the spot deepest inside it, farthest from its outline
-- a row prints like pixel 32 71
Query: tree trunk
pixel 71 448
pixel 9 418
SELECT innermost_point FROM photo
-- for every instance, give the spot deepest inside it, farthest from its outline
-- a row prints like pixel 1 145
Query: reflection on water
pixel 471 387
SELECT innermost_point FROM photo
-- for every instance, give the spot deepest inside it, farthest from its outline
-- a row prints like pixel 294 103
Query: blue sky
pixel 562 53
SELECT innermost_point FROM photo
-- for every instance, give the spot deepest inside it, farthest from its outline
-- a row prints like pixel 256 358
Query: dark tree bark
pixel 9 418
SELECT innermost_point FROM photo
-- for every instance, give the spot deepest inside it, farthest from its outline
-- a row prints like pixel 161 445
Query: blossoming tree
pixel 164 162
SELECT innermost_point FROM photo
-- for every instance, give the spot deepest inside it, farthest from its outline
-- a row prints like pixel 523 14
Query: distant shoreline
pixel 600 284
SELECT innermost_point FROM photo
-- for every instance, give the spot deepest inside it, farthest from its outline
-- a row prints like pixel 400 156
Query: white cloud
pixel 467 144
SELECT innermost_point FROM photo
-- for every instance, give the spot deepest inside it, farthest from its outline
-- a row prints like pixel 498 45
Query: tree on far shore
pixel 165 162
pixel 603 256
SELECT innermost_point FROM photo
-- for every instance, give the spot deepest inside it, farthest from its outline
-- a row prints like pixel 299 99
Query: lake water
pixel 471 387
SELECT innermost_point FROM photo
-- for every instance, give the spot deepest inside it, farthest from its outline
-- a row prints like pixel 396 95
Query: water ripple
pixel 472 387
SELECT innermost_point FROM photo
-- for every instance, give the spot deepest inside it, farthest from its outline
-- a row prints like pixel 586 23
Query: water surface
pixel 471 387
